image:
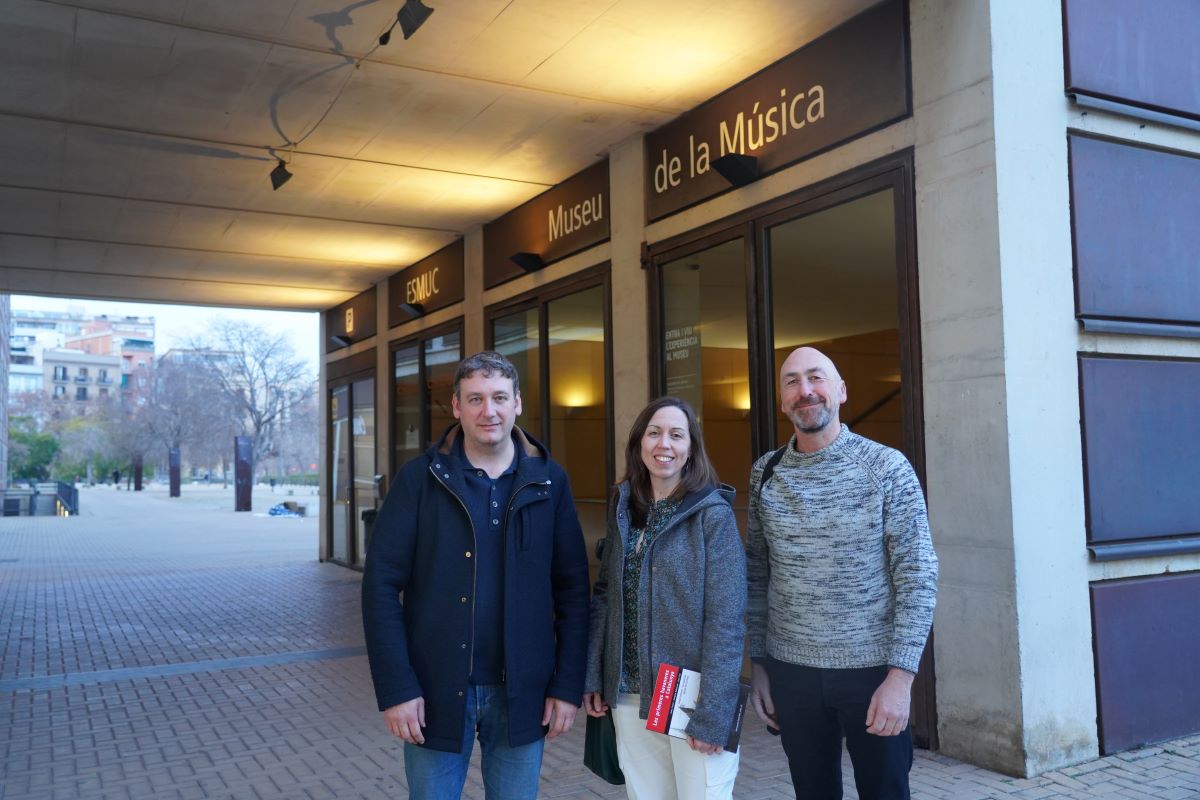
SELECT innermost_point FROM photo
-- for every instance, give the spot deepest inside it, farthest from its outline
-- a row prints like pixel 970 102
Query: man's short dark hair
pixel 490 363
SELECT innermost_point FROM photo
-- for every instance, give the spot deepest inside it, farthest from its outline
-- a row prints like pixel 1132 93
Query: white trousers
pixel 661 767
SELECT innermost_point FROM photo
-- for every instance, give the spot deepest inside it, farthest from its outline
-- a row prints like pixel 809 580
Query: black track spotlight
pixel 413 309
pixel 340 341
pixel 279 175
pixel 412 15
pixel 736 168
pixel 530 262
pixel 385 37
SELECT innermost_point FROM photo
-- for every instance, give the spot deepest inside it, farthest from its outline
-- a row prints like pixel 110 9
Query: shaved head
pixel 811 393
pixel 803 359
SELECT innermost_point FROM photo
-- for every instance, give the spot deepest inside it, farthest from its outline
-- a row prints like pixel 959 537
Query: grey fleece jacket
pixel 842 572
pixel 692 600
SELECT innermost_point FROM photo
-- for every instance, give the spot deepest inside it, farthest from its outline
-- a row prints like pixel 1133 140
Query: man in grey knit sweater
pixel 842 585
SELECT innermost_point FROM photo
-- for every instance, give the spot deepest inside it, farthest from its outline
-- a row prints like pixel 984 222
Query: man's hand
pixel 406 720
pixel 760 695
pixel 559 715
pixel 888 712
pixel 594 705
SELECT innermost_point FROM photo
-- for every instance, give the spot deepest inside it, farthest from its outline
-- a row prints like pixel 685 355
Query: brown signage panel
pixel 1139 54
pixel 564 220
pixel 849 82
pixel 351 321
pixel 434 282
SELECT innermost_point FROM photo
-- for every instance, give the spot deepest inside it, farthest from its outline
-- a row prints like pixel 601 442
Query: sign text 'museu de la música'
pixel 850 81
pixel 567 218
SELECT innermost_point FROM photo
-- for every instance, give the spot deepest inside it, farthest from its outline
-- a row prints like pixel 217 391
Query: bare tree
pixel 261 376
pixel 188 408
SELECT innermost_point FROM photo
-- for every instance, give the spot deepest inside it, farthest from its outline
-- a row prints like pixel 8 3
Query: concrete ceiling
pixel 136 136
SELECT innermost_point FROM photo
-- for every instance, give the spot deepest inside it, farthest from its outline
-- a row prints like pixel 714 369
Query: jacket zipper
pixel 512 498
pixel 474 567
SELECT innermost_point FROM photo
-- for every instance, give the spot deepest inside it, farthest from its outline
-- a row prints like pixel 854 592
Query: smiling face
pixel 666 446
pixel 487 407
pixel 811 392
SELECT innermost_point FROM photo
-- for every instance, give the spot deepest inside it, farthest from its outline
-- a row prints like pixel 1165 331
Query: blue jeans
pixel 509 773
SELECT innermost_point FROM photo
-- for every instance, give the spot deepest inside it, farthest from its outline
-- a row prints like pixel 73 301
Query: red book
pixel 676 692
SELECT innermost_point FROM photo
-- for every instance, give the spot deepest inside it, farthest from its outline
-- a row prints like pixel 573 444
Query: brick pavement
pixel 157 648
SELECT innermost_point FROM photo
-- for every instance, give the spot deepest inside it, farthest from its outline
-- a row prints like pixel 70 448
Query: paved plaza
pixel 170 648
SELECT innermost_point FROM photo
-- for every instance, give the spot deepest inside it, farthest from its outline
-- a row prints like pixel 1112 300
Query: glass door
pixel 558 340
pixel 340 513
pixel 832 277
pixel 422 383
pixel 706 357
pixel 362 428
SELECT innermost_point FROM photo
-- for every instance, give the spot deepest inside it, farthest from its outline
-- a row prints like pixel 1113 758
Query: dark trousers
pixel 815 709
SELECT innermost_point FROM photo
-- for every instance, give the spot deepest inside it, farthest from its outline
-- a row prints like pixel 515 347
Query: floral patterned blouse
pixel 639 542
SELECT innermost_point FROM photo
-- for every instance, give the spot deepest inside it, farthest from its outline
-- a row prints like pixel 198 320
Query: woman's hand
pixel 594 705
pixel 704 747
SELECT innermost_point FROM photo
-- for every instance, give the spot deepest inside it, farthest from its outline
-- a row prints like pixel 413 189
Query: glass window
pixel 406 391
pixel 422 384
pixel 578 407
pixel 339 528
pixel 442 354
pixel 705 352
pixel 833 287
pixel 566 373
pixel 363 430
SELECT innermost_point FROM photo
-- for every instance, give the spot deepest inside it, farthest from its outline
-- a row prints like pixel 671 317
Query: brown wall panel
pixel 1137 52
pixel 1146 647
pixel 1137 244
pixel 1141 433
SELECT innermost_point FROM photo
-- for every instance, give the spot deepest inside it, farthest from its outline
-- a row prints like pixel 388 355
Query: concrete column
pixel 630 305
pixel 1015 685
pixel 1041 339
pixel 472 306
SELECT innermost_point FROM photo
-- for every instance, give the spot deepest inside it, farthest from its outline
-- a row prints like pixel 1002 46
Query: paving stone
pixel 189 588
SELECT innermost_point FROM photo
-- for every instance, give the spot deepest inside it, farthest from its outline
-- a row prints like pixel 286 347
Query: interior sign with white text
pixel 849 82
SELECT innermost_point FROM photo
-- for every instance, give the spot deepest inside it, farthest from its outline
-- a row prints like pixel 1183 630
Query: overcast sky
pixel 174 325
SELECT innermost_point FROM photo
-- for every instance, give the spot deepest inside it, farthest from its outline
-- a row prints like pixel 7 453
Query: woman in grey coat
pixel 671 589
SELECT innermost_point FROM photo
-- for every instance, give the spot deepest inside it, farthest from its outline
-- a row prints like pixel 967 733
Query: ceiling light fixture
pixel 412 15
pixel 736 168
pixel 279 175
pixel 530 262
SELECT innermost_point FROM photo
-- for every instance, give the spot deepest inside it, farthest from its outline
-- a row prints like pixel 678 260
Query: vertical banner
pixel 173 467
pixel 243 472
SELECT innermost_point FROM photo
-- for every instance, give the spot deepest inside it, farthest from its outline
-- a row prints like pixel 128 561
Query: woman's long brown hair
pixel 698 472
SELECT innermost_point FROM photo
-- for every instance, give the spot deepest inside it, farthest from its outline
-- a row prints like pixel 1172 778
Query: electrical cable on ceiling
pixel 410 17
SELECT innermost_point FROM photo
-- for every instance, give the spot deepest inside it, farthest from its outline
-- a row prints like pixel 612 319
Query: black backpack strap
pixel 769 468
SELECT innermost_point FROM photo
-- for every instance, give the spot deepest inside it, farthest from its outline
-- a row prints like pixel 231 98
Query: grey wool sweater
pixel 841 568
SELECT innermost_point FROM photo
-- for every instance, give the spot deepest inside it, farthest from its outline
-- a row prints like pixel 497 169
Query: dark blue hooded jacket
pixel 423 545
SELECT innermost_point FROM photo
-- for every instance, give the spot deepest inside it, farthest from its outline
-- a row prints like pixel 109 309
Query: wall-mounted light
pixel 530 262
pixel 339 340
pixel 279 175
pixel 411 16
pixel 414 309
pixel 736 168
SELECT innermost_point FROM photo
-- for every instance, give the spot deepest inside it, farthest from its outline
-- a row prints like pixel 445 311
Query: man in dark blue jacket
pixel 490 637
